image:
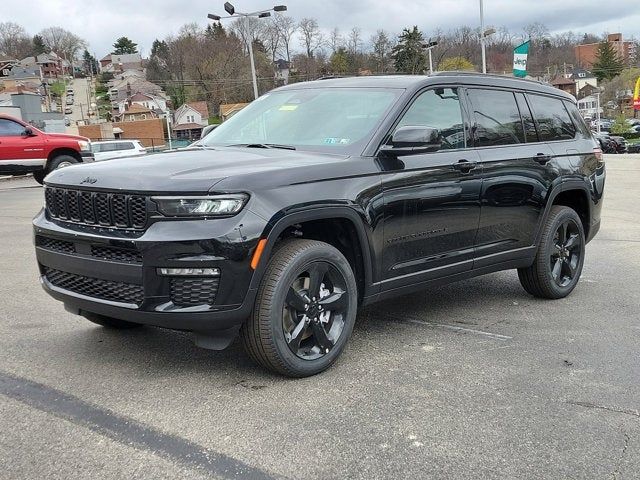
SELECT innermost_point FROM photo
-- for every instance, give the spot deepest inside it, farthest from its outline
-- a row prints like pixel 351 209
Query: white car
pixel 110 149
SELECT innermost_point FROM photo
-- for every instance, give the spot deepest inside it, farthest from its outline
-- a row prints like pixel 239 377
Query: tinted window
pixel 577 119
pixel 530 133
pixel 10 128
pixel 497 117
pixel 438 108
pixel 124 146
pixel 552 118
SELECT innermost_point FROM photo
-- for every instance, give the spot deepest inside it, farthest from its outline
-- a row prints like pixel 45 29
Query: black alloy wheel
pixel 313 316
pixel 559 258
pixel 304 310
pixel 566 253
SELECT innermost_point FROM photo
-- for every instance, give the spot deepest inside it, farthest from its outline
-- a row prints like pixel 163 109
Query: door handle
pixel 464 166
pixel 542 158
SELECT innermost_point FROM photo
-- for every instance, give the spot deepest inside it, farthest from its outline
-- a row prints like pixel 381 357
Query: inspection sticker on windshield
pixel 288 108
pixel 339 141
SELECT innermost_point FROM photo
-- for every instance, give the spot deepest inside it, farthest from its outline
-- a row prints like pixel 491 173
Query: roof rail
pixel 455 73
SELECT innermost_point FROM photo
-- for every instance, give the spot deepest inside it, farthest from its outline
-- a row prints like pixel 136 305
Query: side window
pixel 125 146
pixel 9 128
pixel 577 119
pixel 497 117
pixel 438 108
pixel 530 133
pixel 552 118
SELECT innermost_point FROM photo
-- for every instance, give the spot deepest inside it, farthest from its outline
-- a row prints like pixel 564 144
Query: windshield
pixel 339 120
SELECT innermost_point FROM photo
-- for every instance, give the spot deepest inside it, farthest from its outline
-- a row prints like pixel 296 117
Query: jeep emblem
pixel 89 180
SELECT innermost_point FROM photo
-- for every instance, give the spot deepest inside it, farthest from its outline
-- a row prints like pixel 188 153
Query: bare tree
pixel 62 42
pixel 14 41
pixel 311 37
pixel 355 41
pixel 335 40
pixel 287 27
pixel 381 46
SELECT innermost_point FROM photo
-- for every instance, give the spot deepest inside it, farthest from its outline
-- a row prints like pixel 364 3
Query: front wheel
pixel 305 309
pixel 560 257
pixel 60 161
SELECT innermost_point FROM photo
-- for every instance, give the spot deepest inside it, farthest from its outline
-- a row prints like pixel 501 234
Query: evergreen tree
pixel 408 53
pixel 89 62
pixel 38 45
pixel 339 63
pixel 124 45
pixel 607 65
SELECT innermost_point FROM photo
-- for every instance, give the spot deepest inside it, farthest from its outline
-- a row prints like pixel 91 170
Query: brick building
pixel 586 54
pixel 150 132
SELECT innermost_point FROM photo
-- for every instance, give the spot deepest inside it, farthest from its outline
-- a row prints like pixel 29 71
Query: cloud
pixel 100 22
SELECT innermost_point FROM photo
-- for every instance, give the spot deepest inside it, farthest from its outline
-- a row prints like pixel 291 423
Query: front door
pixel 431 200
pixel 18 151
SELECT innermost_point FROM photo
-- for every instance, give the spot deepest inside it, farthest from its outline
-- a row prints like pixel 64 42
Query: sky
pixel 100 22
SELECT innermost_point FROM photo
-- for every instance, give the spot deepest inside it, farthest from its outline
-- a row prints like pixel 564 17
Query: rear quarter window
pixel 497 117
pixel 552 119
pixel 578 121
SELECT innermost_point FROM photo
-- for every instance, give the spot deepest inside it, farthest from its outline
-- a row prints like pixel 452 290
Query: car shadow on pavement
pixel 159 351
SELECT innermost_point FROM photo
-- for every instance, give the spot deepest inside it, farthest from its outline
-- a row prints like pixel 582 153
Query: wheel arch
pixel 574 194
pixel 309 221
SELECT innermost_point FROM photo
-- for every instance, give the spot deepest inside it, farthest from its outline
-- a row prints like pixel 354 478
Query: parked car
pixel 620 143
pixel 634 148
pixel 69 100
pixel 322 197
pixel 70 91
pixel 68 111
pixel 25 149
pixel 607 144
pixel 110 149
pixel 67 122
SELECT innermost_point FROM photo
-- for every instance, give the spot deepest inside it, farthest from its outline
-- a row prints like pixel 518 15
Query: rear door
pixel 431 200
pixel 517 174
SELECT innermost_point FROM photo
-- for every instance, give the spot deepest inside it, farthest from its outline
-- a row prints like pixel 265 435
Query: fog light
pixel 190 272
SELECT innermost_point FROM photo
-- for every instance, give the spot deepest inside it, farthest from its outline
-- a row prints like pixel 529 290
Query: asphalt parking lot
pixel 471 380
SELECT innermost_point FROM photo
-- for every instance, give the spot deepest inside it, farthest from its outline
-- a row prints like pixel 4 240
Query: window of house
pixel 552 118
pixel 9 128
pixel 132 118
pixel 438 108
pixel 497 117
pixel 144 116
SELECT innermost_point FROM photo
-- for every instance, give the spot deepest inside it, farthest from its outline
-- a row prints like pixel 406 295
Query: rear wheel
pixel 108 322
pixel 560 257
pixel 305 309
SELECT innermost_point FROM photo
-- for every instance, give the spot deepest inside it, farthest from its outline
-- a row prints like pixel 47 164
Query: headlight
pixel 84 146
pixel 216 205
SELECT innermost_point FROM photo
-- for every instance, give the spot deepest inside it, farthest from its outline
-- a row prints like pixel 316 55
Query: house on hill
pixel 190 119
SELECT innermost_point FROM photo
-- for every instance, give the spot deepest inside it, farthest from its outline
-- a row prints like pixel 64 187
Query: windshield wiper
pixel 264 145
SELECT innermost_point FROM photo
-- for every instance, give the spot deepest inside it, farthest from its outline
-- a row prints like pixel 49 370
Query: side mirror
pixel 411 140
pixel 28 132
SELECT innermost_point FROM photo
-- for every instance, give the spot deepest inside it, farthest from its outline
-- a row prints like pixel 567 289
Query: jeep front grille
pixel 114 210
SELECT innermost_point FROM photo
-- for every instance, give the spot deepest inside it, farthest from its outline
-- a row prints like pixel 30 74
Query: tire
pixel 560 256
pixel 60 161
pixel 111 323
pixel 284 336
pixel 39 175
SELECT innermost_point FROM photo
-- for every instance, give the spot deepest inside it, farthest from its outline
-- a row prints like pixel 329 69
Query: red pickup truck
pixel 25 149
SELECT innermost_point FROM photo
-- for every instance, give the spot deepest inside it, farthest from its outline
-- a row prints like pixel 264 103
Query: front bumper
pixel 87 157
pixel 115 273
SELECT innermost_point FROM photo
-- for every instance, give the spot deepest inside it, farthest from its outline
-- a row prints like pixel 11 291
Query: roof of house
pixel 562 81
pixel 201 108
pixel 18 73
pixel 187 126
pixel 106 58
pixel 137 108
pixel 227 108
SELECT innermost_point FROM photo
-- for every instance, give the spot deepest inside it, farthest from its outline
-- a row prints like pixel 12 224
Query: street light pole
pixel 428 47
pixel 230 9
pixel 482 38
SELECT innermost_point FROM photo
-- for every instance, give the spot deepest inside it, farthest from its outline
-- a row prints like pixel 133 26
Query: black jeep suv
pixel 321 197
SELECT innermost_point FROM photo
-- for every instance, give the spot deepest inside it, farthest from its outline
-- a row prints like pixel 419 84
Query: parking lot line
pixel 125 430
pixel 495 336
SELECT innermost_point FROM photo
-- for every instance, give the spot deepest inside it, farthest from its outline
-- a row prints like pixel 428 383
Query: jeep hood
pixel 195 171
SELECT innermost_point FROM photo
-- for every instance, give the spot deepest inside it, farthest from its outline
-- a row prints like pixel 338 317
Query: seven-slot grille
pixel 97 208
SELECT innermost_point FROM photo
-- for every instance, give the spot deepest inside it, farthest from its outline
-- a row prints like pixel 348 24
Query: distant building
pixel 22 76
pixel 119 63
pixel 586 53
pixel 51 65
pixel 588 107
pixel 155 103
pixel 135 112
pixel 228 110
pixel 564 84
